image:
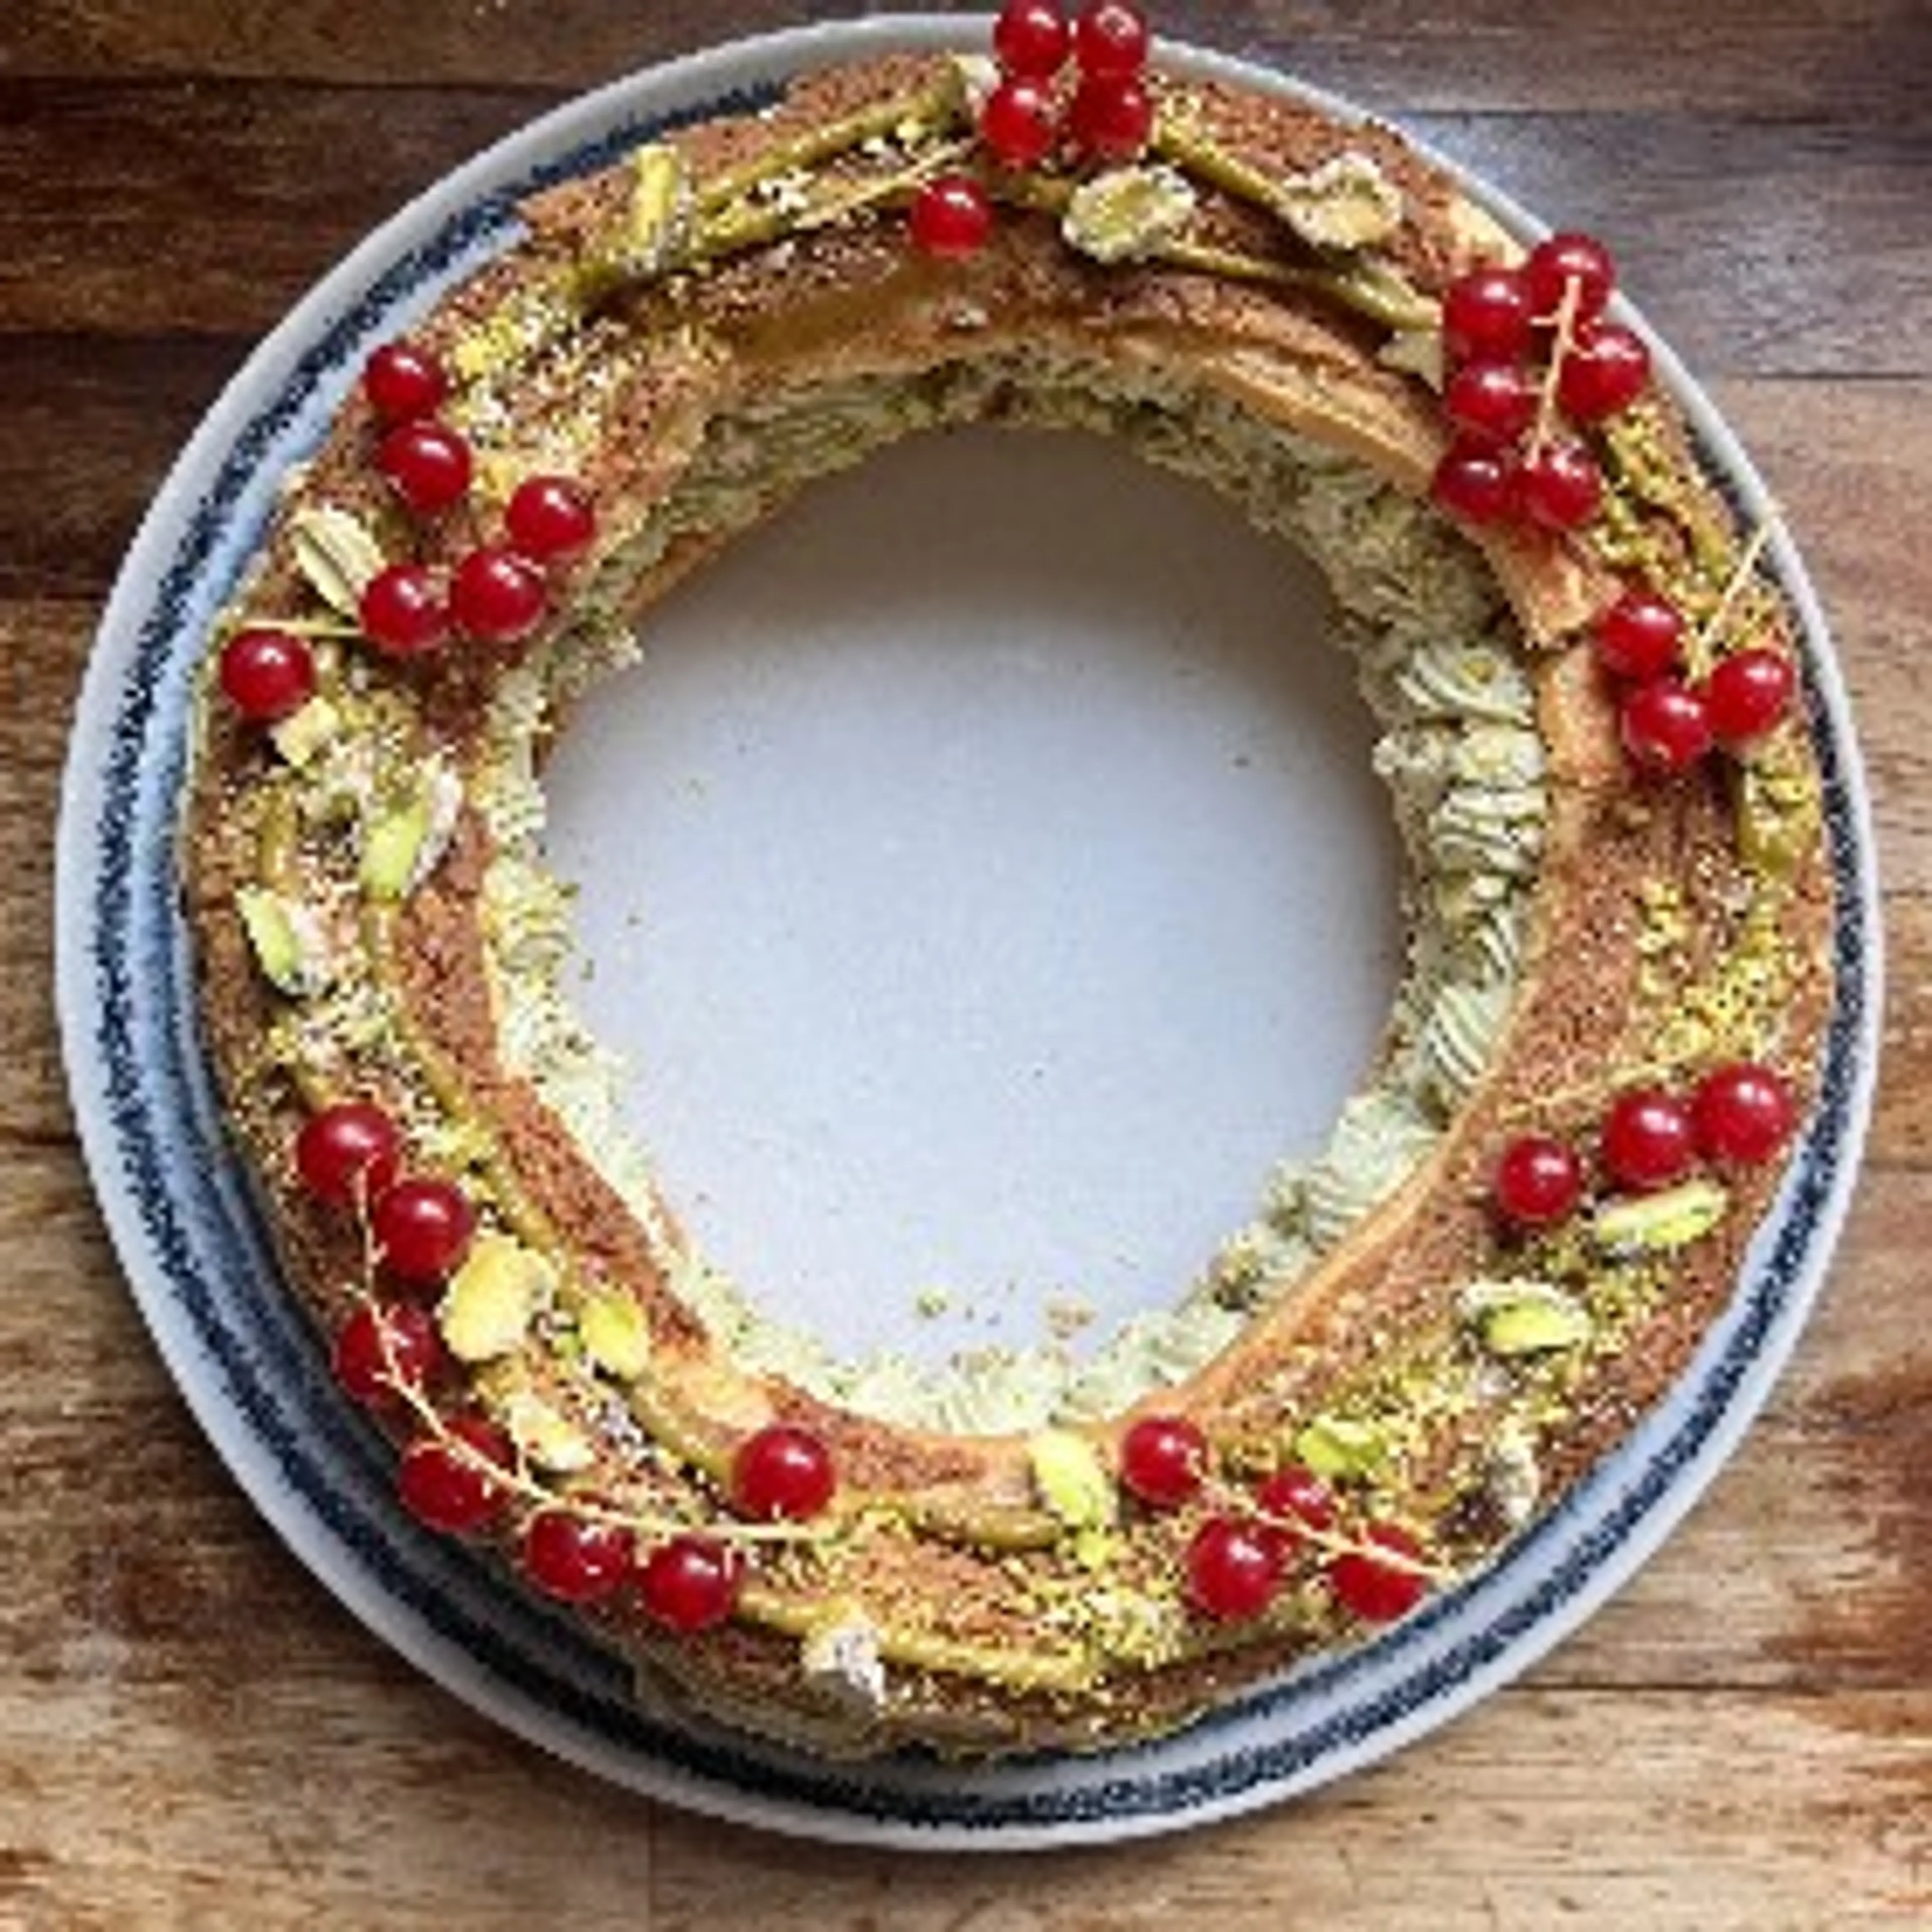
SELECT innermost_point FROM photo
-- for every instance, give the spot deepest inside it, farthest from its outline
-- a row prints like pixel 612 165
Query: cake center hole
pixel 984 881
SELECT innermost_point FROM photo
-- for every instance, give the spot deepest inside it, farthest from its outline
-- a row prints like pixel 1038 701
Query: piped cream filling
pixel 1439 660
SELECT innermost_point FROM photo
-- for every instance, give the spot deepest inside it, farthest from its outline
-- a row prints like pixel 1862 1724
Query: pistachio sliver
pixel 337 554
pixel 1073 1482
pixel 1659 1223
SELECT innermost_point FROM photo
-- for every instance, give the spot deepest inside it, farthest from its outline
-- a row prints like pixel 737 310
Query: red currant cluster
pixel 1528 352
pixel 1103 112
pixel 1738 1115
pixel 1237 1561
pixel 1668 724
pixel 460 1476
pixel 495 594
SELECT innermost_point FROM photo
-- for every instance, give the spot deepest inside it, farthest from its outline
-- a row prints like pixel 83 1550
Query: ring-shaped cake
pixel 1589 707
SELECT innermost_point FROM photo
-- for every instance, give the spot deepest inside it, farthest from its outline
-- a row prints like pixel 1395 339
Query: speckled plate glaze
pixel 196 1256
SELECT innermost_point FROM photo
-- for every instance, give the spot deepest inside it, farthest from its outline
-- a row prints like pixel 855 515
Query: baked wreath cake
pixel 1591 720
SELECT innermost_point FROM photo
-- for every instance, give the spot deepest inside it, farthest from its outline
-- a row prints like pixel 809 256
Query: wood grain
pixel 192 1733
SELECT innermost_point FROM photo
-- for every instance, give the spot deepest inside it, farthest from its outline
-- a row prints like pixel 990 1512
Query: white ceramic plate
pixel 194 1253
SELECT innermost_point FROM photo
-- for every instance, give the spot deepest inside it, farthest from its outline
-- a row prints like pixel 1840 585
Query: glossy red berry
pixel 421 1227
pixel 951 217
pixel 497 596
pixel 1111 119
pixel 689 1583
pixel 576 1559
pixel 1646 1141
pixel 1376 1591
pixel 266 674
pixel 1487 312
pixel 1164 1459
pixel 381 1347
pixel 549 519
pixel 426 464
pixel 1664 726
pixel 1607 368
pixel 1539 1181
pixel 782 1470
pixel 1476 482
pixel 1563 259
pixel 1559 486
pixel 1741 1114
pixel 403 611
pixel 1031 37
pixel 1747 694
pixel 402 380
pixel 449 1484
pixel 1293 1499
pixel 1017 123
pixel 1234 1568
pixel 1491 399
pixel 1640 636
pixel 347 1152
pixel 1110 41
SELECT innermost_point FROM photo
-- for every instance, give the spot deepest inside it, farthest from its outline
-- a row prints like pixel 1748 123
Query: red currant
pixel 497 596
pixel 1664 726
pixel 346 1154
pixel 951 217
pixel 1476 482
pixel 426 464
pixel 402 380
pixel 1164 1459
pixel 1376 1592
pixel 1293 1499
pixel 1017 122
pixel 403 611
pixel 1606 370
pixel 422 1227
pixel 576 1559
pixel 267 674
pixel 449 1484
pixel 1740 1114
pixel 549 519
pixel 1640 636
pixel 1491 400
pixel 1646 1141
pixel 1538 1181
pixel 1564 259
pixel 1234 1568
pixel 1110 118
pixel 1559 486
pixel 1748 694
pixel 1486 312
pixel 689 1583
pixel 1110 40
pixel 380 1349
pixel 1030 38
pixel 782 1470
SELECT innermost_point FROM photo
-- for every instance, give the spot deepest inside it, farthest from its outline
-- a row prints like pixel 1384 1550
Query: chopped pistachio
pixel 1524 1318
pixel 548 1438
pixel 286 939
pixel 299 736
pixel 1073 1482
pixel 337 553
pixel 1655 1223
pixel 1338 1446
pixel 493 1297
pixel 1346 203
pixel 401 849
pixel 615 1334
pixel 1125 214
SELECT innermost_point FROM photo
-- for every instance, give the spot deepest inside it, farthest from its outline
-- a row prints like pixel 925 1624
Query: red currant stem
pixel 1231 1500
pixel 1700 647
pixel 315 627
pixel 1560 351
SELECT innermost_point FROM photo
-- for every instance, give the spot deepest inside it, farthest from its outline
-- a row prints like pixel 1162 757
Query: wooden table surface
pixel 193 1732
